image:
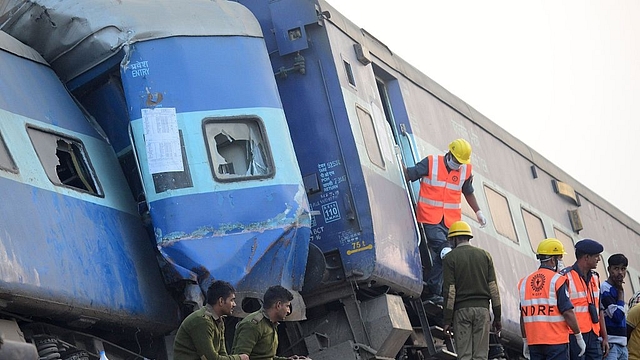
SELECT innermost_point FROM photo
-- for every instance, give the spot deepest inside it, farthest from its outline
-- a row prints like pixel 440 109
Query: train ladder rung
pixel 438 332
pixel 444 354
pixel 426 329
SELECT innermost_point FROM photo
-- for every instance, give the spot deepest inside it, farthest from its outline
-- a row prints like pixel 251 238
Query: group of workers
pixel 569 314
pixel 565 312
pixel 201 334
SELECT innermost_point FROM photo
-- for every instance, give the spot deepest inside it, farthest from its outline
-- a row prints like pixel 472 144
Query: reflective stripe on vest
pixel 440 192
pixel 580 297
pixel 543 322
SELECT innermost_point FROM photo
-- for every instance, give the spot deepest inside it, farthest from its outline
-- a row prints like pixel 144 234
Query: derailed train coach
pixel 74 254
pixel 354 113
pixel 184 94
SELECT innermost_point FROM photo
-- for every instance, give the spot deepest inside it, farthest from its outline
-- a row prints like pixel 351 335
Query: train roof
pixel 13 46
pixel 76 35
pixel 386 56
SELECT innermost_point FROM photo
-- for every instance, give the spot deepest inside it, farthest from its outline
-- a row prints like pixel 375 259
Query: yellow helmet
pixel 461 150
pixel 551 247
pixel 460 228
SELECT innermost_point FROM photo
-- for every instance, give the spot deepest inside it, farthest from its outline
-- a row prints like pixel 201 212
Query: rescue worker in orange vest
pixel 443 180
pixel 584 292
pixel 546 313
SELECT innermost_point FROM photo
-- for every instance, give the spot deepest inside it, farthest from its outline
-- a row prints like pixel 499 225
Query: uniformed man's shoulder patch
pixel 256 319
pixel 565 271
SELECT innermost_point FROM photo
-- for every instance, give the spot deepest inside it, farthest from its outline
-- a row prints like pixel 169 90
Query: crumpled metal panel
pixel 75 36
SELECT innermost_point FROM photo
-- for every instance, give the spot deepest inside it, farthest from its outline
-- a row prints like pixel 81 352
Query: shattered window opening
pixel 6 161
pixel 65 161
pixel 238 149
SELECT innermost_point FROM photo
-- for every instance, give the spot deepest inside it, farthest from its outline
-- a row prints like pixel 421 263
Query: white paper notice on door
pixel 162 140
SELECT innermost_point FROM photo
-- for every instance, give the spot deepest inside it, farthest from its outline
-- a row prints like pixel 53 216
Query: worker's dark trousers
pixel 594 348
pixel 436 240
pixel 549 352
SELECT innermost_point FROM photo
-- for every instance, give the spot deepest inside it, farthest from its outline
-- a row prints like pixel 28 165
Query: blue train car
pixel 76 259
pixel 363 214
pixel 348 171
pixel 186 94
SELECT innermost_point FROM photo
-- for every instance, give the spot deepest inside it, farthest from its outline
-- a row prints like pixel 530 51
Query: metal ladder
pixel 430 332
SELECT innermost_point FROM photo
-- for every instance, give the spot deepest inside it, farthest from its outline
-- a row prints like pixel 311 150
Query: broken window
pixel 238 149
pixel 6 161
pixel 65 161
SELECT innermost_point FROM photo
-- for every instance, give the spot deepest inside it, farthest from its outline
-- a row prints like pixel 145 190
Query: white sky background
pixel 562 76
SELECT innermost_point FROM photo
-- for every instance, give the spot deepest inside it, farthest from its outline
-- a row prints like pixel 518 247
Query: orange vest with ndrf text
pixel 543 321
pixel 441 193
pixel 581 295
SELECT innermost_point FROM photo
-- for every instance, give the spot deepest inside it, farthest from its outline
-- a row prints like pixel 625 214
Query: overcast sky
pixel 562 76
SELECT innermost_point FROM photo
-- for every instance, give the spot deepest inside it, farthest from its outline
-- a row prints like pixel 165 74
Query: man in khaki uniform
pixel 257 334
pixel 469 286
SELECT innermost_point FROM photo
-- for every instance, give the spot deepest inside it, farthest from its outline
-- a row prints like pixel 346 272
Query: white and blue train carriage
pixel 74 257
pixel 186 94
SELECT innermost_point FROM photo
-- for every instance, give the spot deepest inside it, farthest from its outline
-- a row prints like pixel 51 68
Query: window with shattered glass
pixel 238 149
pixel 65 161
pixel 6 161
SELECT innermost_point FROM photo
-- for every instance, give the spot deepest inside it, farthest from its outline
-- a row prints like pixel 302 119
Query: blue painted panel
pixel 291 15
pixel 228 212
pixel 248 230
pixel 358 214
pixel 200 73
pixel 95 259
pixel 262 226
pixel 107 105
pixel 191 125
pixel 25 83
pixel 252 261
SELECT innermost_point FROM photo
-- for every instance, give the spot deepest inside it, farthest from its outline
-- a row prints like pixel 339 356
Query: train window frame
pixel 370 135
pixel 569 249
pixel 533 242
pixel 602 263
pixel 627 285
pixel 264 146
pixel 348 69
pixel 499 216
pixel 54 150
pixel 467 209
pixel 6 159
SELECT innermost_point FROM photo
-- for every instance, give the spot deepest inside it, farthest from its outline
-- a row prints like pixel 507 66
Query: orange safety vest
pixel 543 322
pixel 581 295
pixel 440 193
